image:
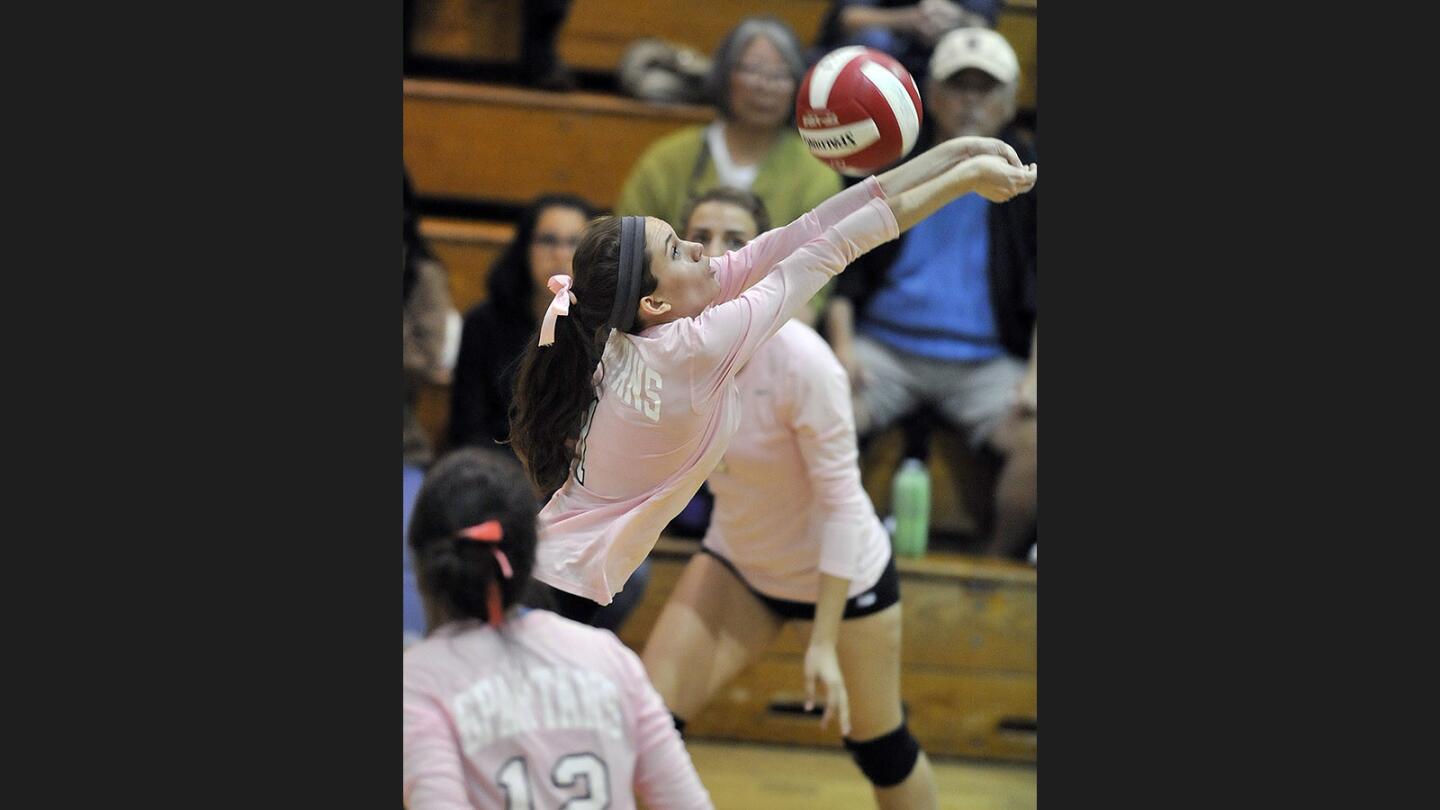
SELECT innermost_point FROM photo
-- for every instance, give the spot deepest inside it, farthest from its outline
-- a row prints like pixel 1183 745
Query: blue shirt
pixel 936 302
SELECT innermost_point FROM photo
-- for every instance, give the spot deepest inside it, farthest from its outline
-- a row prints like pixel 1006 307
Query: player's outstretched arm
pixel 990 176
pixel 942 157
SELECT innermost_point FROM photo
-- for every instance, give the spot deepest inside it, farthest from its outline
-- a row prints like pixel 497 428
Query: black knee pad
pixel 887 760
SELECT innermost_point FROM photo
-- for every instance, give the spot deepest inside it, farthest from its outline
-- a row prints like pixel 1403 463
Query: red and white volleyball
pixel 858 110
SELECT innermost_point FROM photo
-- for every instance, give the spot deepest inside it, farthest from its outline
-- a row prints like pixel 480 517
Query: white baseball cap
pixel 979 48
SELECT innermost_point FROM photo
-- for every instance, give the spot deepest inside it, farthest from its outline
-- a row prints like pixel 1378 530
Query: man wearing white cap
pixel 945 316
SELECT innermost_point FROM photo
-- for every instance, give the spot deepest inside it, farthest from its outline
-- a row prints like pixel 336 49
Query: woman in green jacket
pixel 752 145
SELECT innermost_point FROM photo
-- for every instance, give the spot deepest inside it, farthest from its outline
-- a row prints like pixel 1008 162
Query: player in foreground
pixel 511 708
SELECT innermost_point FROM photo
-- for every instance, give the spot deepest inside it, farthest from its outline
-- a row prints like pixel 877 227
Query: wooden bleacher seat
pixel 960 480
pixel 967 662
pixel 490 143
pixel 467 248
pixel 467 30
pixel 596 32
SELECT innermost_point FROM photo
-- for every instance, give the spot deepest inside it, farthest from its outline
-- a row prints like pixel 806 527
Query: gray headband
pixel 627 275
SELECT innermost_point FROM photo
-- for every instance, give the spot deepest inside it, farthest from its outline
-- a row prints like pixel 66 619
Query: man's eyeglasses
pixel 550 240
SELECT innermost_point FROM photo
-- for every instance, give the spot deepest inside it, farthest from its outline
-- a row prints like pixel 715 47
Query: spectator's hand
pixel 943 16
pixel 821 661
pixel 995 179
pixel 968 146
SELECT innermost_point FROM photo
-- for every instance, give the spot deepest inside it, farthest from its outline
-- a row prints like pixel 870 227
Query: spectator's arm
pixel 424 323
pixel 904 20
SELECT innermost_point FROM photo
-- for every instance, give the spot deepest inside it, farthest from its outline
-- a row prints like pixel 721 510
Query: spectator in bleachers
pixel 905 29
pixel 946 315
pixel 495 334
pixel 431 328
pixel 496 329
pixel 540 64
pixel 431 334
pixel 752 145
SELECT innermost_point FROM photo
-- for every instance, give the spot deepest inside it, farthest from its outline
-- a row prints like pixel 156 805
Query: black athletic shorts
pixel 885 593
pixel 575 608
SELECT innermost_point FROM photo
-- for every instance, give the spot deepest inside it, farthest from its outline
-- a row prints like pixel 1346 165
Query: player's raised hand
pixel 995 179
pixel 968 146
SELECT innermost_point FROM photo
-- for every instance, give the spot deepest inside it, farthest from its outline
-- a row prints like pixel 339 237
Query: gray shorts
pixel 974 396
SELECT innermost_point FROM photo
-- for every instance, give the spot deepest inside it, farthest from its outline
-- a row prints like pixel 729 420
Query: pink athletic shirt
pixel 669 403
pixel 789 504
pixel 544 712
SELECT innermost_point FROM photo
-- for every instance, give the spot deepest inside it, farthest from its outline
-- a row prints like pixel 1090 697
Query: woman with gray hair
pixel 752 145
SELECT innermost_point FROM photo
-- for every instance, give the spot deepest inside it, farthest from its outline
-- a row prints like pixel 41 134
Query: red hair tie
pixel 491 532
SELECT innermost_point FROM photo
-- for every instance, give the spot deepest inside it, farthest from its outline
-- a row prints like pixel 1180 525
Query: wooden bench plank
pixel 467 249
pixel 968 659
pixel 467 30
pixel 502 144
pixel 951 714
pixel 597 32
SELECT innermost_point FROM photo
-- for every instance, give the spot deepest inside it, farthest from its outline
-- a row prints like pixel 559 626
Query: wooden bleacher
pixel 968 660
pixel 489 143
pixel 596 32
pixel 467 248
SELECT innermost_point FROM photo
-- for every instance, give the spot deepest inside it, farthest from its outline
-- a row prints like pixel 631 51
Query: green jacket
pixel 790 181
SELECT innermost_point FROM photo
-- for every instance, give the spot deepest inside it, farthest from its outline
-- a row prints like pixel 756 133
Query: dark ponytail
pixel 463 578
pixel 554 389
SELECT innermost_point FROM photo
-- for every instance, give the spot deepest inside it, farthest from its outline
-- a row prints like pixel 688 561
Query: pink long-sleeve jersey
pixel 669 403
pixel 542 712
pixel 789 504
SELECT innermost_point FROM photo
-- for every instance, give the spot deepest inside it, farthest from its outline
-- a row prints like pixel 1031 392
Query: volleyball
pixel 858 110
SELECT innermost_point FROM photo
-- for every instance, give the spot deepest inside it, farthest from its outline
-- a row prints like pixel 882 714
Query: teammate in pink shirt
pixel 793 537
pixel 629 400
pixel 520 709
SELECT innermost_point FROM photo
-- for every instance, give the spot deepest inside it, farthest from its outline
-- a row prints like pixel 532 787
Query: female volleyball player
pixel 512 708
pixel 629 400
pixel 793 537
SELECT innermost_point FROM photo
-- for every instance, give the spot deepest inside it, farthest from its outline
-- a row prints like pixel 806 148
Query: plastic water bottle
pixel 910 501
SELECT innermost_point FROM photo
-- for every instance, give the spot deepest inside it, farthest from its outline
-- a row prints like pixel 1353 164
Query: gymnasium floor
pixel 746 776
